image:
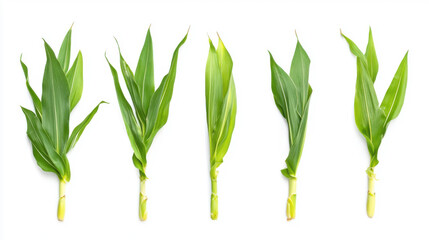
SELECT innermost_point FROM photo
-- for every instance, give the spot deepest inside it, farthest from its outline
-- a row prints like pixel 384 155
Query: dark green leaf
pixel 55 101
pixel 131 125
pixel 299 71
pixel 145 73
pixel 78 130
pixel 75 81
pixel 395 94
pixel 133 90
pixel 64 54
pixel 36 100
pixel 371 57
pixel 285 97
pixel 42 143
pixel 160 101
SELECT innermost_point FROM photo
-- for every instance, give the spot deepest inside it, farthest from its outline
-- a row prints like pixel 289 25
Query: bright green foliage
pixel 292 96
pixel 371 117
pixel 151 107
pixel 48 126
pixel 221 108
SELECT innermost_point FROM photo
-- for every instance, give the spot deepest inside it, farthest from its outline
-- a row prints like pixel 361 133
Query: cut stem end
pixel 62 201
pixel 370 204
pixel 142 201
pixel 214 200
pixel 291 200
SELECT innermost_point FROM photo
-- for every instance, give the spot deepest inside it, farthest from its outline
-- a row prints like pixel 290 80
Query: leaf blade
pixel 36 100
pixel 55 101
pixel 64 54
pixel 75 81
pixel 78 130
pixel 145 73
pixel 160 101
pixel 394 98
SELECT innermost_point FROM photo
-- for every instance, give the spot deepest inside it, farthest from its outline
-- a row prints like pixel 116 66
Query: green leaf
pixel 299 71
pixel 372 119
pixel 225 65
pixel 286 97
pixel 75 81
pixel 295 150
pixel 140 165
pixel 292 97
pixel 78 130
pixel 395 94
pixel 55 101
pixel 160 102
pixel 45 150
pixel 371 57
pixel 214 93
pixel 221 103
pixel 44 162
pixel 145 73
pixel 131 125
pixel 225 121
pixel 36 100
pixel 133 90
pixel 64 54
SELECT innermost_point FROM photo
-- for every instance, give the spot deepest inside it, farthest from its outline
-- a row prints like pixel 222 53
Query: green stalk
pixel 214 198
pixel 62 200
pixel 370 204
pixel 143 200
pixel 291 200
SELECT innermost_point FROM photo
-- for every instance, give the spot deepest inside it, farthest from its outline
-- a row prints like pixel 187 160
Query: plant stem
pixel 214 202
pixel 143 200
pixel 370 204
pixel 291 200
pixel 62 200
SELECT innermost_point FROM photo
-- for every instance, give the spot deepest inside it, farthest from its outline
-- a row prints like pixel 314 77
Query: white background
pixel 102 197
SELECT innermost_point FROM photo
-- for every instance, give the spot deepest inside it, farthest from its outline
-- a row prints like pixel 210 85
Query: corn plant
pixel 371 117
pixel 151 107
pixel 292 96
pixel 221 108
pixel 48 125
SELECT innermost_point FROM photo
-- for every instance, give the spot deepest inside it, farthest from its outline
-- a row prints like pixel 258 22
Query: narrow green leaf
pixel 43 144
pixel 225 65
pixel 395 94
pixel 133 90
pixel 286 97
pixel 160 101
pixel 44 162
pixel 214 93
pixel 78 130
pixel 145 73
pixel 225 123
pixel 371 57
pixel 295 150
pixel 131 125
pixel 36 100
pixel 75 81
pixel 299 71
pixel 64 54
pixel 55 101
pixel 140 165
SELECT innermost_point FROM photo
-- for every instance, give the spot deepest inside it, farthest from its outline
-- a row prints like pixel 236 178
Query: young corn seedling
pixel 151 107
pixel 292 96
pixel 221 108
pixel 48 126
pixel 371 117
